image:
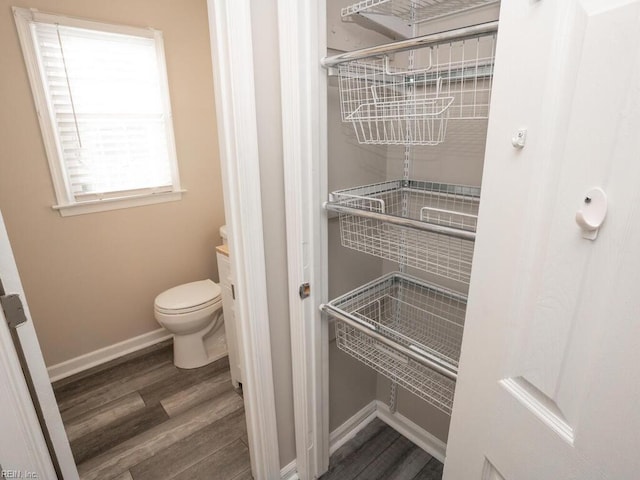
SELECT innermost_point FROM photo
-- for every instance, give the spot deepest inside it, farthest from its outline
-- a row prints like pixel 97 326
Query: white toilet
pixel 193 313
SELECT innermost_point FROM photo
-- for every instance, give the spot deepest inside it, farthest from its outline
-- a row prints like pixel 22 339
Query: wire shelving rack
pixel 409 99
pixel 406 93
pixel 426 225
pixel 414 11
pixel 407 330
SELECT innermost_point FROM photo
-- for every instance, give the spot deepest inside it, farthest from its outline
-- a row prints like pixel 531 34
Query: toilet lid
pixel 188 296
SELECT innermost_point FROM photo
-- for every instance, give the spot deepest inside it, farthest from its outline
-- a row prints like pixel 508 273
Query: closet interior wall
pixel 459 160
pixel 352 385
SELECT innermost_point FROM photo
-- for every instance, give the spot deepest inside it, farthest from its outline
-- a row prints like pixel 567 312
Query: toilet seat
pixel 188 298
pixel 196 308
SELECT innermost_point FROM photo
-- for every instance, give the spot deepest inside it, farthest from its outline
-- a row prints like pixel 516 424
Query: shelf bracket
pixel 393 397
pixel 387 25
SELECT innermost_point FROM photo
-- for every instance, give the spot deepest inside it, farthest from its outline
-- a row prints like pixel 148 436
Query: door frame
pixel 302 26
pixel 302 42
pixel 302 32
pixel 233 72
pixel 236 113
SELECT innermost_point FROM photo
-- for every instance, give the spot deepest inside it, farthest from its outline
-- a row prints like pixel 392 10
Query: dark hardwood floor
pixel 139 417
pixel 378 452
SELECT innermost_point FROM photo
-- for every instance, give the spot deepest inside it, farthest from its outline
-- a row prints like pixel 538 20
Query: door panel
pixel 19 444
pixel 549 367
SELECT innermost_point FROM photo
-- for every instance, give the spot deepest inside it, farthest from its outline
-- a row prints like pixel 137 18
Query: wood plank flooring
pixel 378 452
pixel 141 418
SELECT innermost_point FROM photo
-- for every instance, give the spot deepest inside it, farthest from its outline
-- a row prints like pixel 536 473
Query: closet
pixel 407 126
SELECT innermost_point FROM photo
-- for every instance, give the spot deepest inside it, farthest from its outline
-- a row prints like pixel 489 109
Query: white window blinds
pixel 107 106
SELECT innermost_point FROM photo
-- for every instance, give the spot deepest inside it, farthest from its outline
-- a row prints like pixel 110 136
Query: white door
pixel 23 451
pixel 549 383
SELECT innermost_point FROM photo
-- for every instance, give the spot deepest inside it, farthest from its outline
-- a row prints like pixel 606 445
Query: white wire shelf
pixel 411 101
pixel 405 329
pixel 418 122
pixel 426 225
pixel 414 11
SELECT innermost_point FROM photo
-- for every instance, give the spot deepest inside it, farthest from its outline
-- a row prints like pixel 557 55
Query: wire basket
pixel 414 11
pixel 411 313
pixel 454 206
pixel 411 105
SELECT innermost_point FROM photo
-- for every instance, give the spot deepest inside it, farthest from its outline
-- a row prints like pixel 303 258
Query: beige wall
pixel 91 279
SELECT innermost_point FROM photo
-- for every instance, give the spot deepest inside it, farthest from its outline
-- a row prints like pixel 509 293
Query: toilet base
pixel 192 351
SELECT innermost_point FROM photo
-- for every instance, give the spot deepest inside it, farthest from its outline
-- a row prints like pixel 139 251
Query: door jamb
pixel 302 31
pixel 232 58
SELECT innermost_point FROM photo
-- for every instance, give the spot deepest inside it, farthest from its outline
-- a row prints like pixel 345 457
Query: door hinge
pixel 13 310
pixel 233 292
pixel 304 290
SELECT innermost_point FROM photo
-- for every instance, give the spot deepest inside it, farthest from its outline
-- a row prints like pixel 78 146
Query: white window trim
pixel 66 204
pixel 116 203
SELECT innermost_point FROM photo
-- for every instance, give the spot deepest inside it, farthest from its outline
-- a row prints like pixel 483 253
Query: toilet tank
pixel 223 234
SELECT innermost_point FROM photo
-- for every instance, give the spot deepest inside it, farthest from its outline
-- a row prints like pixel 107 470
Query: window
pixel 103 101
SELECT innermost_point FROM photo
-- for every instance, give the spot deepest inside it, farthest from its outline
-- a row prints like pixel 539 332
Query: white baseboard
pixel 103 355
pixel 418 435
pixel 351 427
pixel 338 437
pixel 289 472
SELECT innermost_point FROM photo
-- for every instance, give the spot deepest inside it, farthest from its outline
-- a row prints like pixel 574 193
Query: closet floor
pixel 139 417
pixel 379 452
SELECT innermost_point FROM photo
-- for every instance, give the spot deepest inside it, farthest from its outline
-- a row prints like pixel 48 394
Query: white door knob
pixel 592 213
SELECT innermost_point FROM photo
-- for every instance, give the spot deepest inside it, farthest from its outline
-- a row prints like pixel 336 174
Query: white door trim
pixel 232 56
pixel 302 31
pixel 33 455
pixel 29 441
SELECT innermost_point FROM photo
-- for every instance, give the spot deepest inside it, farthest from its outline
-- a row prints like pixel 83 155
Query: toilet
pixel 193 313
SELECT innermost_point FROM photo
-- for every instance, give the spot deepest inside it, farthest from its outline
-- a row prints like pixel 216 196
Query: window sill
pixel 117 203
